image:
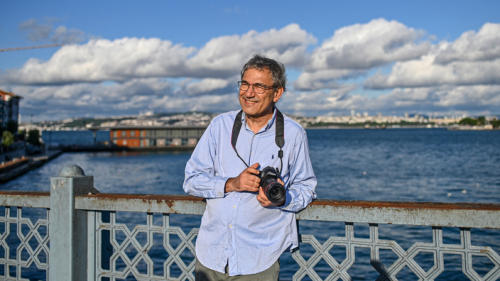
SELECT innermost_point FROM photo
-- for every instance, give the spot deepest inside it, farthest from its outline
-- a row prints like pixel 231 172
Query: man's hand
pixel 246 181
pixel 262 198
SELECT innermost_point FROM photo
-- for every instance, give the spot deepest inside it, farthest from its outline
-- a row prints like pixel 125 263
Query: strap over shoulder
pixel 236 129
pixel 280 129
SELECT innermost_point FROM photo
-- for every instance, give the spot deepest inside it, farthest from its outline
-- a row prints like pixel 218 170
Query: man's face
pixel 258 105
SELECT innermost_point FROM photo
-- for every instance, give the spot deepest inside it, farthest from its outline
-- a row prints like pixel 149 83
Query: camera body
pixel 274 190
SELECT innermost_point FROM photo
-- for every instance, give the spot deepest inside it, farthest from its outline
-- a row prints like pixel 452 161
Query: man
pixel 242 233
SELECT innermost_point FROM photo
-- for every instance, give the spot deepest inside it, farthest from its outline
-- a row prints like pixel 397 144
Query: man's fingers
pixel 248 179
pixel 261 197
pixel 250 183
pixel 253 171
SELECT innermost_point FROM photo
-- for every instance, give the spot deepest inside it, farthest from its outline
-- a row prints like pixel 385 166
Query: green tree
pixel 22 134
pixel 7 139
pixel 34 137
pixel 468 121
pixel 11 126
pixel 481 120
pixel 495 123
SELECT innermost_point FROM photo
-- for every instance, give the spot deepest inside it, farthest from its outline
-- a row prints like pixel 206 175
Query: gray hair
pixel 277 69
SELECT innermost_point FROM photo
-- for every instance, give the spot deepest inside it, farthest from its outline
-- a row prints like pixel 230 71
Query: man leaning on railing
pixel 254 179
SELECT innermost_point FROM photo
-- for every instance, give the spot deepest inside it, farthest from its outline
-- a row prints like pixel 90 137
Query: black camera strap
pixel 280 135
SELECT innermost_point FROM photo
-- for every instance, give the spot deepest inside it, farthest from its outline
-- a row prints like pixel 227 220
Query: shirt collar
pixel 265 128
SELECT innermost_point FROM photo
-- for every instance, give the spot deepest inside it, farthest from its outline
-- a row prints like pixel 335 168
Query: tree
pixel 468 121
pixel 481 120
pixel 34 137
pixel 495 123
pixel 11 126
pixel 7 139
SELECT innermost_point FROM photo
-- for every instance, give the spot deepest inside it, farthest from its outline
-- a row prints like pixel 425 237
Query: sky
pixel 436 58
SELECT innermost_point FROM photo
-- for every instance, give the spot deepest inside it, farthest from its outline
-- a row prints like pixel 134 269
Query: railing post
pixel 68 227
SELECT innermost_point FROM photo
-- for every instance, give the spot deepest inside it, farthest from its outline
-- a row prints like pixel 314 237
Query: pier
pixel 82 228
pixel 19 166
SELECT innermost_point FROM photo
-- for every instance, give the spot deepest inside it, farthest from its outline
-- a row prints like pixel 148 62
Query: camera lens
pixel 276 193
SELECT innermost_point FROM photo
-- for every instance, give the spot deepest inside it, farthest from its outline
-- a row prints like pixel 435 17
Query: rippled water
pixel 397 165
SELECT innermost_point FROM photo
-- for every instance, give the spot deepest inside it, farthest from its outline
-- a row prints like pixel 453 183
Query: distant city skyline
pixel 123 58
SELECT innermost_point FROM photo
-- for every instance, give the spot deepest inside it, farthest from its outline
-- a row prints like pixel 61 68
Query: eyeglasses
pixel 257 88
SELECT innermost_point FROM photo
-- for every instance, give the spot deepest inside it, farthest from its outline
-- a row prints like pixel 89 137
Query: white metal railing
pixel 84 230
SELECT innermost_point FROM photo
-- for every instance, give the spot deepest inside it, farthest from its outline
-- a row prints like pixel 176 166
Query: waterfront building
pixel 9 108
pixel 157 137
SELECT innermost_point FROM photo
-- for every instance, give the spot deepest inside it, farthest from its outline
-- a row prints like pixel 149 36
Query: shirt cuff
pixel 220 185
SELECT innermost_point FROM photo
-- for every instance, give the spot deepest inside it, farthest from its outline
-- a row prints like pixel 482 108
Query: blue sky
pixel 375 56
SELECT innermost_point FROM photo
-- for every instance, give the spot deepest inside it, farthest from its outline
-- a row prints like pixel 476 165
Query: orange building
pixel 155 137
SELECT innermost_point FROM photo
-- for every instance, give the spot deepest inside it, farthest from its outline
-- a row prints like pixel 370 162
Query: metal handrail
pixel 468 215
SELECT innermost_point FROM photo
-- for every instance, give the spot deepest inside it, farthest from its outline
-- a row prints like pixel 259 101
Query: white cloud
pixel 472 99
pixel 451 99
pixel 473 59
pixel 210 86
pixel 227 54
pixel 133 96
pixel 127 58
pixel 130 97
pixel 322 79
pixel 101 60
pixel 364 46
pixel 357 48
pixel 320 102
pixel 471 46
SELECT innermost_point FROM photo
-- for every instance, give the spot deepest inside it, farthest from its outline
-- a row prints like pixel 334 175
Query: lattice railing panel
pixel 405 258
pixel 138 249
pixel 27 233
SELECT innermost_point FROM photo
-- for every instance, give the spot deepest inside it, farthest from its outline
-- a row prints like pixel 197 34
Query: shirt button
pixel 234 206
pixel 230 225
pixel 220 194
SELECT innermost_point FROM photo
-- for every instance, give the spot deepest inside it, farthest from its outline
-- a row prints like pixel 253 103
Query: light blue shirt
pixel 235 229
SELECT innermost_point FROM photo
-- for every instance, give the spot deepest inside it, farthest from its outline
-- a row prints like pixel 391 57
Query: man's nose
pixel 250 92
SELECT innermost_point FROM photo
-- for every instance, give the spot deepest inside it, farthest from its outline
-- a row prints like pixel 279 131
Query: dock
pixel 19 166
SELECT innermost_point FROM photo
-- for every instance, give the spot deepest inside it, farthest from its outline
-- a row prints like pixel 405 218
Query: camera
pixel 274 190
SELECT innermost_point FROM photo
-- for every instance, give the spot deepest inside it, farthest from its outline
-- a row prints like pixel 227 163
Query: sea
pixel 433 165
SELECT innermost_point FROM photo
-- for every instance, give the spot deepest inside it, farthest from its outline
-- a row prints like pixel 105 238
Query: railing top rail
pixel 24 192
pixel 469 215
pixel 151 203
pixel 407 204
pixel 18 198
pixel 472 215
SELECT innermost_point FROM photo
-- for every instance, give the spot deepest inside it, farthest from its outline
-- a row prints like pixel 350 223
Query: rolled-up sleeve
pixel 200 179
pixel 302 181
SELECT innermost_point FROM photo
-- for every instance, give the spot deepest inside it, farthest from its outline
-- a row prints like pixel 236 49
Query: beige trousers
pixel 203 273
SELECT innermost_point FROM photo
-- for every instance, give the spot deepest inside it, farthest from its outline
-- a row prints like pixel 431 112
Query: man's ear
pixel 277 94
